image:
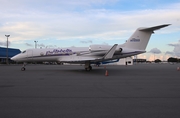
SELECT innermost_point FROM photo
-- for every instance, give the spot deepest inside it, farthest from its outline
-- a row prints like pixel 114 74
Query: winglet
pixel 111 52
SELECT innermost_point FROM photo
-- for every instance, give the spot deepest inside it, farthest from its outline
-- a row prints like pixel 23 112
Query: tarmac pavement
pixel 68 91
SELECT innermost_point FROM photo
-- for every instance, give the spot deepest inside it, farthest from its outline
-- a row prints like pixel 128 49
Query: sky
pixel 79 23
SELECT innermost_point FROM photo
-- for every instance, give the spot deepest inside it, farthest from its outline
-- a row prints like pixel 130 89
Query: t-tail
pixel 141 36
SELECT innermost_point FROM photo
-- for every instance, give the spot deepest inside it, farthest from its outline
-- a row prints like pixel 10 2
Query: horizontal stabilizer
pixel 110 53
pixel 154 28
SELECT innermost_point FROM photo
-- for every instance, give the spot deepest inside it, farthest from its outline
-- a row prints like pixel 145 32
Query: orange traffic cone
pixel 106 74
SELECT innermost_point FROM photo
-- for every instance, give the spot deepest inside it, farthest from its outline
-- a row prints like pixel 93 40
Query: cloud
pixel 104 26
pixel 155 51
pixel 104 43
pixel 176 51
pixel 88 41
pixel 27 44
pixel 41 45
pixel 170 53
pixel 51 46
pixel 141 56
pixel 153 56
pixel 5 43
pixel 96 23
pixel 79 20
pixel 56 3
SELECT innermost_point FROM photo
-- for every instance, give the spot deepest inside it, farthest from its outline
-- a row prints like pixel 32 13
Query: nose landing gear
pixel 23 68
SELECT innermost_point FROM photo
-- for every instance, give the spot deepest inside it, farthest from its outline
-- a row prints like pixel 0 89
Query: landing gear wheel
pixel 23 69
pixel 89 68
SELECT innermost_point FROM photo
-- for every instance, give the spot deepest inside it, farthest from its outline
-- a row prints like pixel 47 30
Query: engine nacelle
pixel 120 50
pixel 99 47
pixel 103 47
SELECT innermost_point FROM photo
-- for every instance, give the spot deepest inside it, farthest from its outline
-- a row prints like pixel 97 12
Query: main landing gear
pixel 23 68
pixel 87 66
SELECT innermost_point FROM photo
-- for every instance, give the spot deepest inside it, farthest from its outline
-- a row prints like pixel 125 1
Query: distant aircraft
pixel 94 54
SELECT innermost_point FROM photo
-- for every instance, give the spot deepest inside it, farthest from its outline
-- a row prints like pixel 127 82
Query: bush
pixel 171 59
pixel 157 61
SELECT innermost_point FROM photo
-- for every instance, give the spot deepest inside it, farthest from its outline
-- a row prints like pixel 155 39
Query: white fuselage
pixel 71 53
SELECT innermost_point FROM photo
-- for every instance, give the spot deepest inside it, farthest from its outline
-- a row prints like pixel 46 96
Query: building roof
pixel 11 52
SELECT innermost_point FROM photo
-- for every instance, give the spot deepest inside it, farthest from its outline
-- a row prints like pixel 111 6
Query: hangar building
pixel 11 53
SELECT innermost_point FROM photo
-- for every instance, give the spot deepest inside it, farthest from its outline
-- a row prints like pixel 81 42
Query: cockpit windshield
pixel 23 51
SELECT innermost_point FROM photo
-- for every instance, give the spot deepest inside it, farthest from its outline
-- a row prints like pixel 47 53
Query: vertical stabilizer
pixel 141 36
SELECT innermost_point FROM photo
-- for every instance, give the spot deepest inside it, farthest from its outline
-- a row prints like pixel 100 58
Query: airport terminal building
pixel 11 53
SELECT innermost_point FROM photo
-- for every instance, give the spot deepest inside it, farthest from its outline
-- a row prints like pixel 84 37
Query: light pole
pixel 7 62
pixel 35 44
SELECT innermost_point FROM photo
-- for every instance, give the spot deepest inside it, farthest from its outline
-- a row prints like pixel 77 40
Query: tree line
pixel 172 59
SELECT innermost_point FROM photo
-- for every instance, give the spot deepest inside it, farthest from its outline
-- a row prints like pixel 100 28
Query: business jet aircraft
pixel 94 54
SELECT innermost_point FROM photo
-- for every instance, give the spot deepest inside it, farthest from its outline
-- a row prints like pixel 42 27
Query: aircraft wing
pixel 84 58
pixel 110 53
pixel 75 59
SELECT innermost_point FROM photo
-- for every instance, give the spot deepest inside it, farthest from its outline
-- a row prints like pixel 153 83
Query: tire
pixel 23 69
